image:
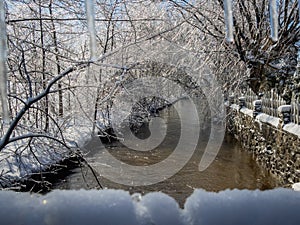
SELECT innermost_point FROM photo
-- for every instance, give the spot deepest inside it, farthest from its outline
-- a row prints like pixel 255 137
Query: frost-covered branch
pixel 7 136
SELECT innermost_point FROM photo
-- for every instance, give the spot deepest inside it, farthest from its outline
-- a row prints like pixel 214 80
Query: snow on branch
pixel 6 138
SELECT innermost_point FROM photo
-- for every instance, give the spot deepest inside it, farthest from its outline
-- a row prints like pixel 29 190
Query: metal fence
pixel 295 111
pixel 270 103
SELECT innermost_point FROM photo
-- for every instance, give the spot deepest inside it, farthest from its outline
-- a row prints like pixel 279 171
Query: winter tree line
pixel 66 60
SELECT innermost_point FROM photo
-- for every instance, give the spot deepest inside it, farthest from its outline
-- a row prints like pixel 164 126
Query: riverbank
pixel 45 158
pixel 274 145
pixel 34 166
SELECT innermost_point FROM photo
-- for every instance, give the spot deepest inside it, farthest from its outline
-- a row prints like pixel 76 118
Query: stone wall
pixel 270 142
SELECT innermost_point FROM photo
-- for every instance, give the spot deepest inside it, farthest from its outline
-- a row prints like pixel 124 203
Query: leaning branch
pixel 30 101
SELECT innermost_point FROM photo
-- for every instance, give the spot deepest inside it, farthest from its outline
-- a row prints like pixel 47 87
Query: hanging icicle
pixel 3 69
pixel 273 20
pixel 228 20
pixel 90 13
pixel 299 10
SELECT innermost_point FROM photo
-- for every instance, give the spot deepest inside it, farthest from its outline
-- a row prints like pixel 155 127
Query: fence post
pixel 297 112
pixel 231 99
pixel 242 102
pixel 257 107
pixel 285 113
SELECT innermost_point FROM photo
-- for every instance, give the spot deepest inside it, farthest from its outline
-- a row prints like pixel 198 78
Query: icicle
pixel 273 20
pixel 91 26
pixel 3 69
pixel 299 10
pixel 228 20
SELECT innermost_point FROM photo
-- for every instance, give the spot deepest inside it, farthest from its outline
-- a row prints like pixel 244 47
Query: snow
pixel 235 106
pixel 228 20
pixel 243 207
pixel 265 118
pixel 247 111
pixel 278 206
pixel 16 167
pixel 296 186
pixel 159 209
pixel 79 132
pixel 257 102
pixel 292 128
pixel 284 108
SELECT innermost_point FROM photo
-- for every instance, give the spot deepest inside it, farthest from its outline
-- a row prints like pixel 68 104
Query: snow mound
pixel 284 108
pixel 292 128
pixel 278 206
pixel 265 118
pixel 296 186
pixel 247 111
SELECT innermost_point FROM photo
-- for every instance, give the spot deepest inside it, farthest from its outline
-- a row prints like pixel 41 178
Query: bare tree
pixel 271 63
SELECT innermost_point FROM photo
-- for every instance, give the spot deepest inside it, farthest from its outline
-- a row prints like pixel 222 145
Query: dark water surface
pixel 232 168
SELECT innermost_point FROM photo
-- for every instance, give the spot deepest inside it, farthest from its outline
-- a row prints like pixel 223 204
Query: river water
pixel 232 168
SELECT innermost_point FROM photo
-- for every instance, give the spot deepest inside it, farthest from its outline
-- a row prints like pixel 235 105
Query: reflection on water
pixel 232 168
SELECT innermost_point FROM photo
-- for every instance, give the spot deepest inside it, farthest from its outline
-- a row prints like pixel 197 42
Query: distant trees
pixel 52 83
pixel 48 43
pixel 270 64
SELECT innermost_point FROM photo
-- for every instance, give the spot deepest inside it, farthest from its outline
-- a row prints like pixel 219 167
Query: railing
pixel 270 102
pixel 295 110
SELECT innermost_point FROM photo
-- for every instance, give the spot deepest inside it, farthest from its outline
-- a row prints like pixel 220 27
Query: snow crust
pixel 265 118
pixel 235 106
pixel 296 186
pixel 247 111
pixel 278 206
pixel 284 108
pixel 292 128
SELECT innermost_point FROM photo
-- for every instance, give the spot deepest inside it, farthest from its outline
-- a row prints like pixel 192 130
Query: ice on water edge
pixel 90 13
pixel 3 69
pixel 228 20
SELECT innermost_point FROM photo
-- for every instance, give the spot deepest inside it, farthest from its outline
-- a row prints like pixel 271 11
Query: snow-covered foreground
pixel 279 206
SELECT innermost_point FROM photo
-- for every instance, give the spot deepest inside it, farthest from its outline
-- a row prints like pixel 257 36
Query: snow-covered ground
pixel 240 207
pixel 17 161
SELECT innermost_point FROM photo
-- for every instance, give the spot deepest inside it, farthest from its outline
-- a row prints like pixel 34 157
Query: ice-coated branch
pixel 228 20
pixel 273 20
pixel 90 14
pixel 3 69
pixel 7 136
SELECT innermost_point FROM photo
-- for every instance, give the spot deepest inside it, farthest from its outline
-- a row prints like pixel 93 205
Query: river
pixel 232 168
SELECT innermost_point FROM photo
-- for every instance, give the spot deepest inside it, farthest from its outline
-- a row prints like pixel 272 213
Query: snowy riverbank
pixel 18 162
pixel 279 206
